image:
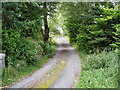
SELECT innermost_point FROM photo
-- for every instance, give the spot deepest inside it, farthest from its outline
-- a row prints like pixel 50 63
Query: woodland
pixel 92 28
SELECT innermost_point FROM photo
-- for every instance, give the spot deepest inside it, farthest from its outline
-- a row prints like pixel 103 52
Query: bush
pixel 19 49
pixel 101 60
pixel 99 70
pixel 48 48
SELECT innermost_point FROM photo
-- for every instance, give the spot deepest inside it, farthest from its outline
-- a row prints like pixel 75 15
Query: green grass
pixel 21 69
pixel 12 75
pixel 52 75
pixel 99 70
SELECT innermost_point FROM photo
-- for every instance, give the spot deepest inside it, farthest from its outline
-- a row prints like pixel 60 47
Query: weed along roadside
pixel 99 70
pixel 18 75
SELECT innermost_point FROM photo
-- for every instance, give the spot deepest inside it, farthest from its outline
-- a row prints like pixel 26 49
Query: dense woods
pixel 93 29
pixel 26 34
pixel 92 26
pixel 22 25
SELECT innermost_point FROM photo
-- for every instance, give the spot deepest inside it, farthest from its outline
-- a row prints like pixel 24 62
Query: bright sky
pixel 60 29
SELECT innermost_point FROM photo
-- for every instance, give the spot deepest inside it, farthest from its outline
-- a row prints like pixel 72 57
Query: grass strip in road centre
pixel 51 76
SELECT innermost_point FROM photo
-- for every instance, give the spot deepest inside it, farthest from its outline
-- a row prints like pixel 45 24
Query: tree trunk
pixel 46 31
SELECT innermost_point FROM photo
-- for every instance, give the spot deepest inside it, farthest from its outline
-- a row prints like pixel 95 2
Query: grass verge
pixel 20 69
pixel 12 75
pixel 99 70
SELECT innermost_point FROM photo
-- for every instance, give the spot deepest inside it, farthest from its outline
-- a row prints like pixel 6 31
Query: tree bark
pixel 46 31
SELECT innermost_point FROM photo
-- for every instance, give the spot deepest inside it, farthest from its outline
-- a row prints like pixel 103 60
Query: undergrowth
pixel 21 69
pixel 99 70
pixel 12 75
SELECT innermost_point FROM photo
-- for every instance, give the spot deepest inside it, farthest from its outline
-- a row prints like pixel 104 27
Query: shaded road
pixel 67 78
pixel 72 70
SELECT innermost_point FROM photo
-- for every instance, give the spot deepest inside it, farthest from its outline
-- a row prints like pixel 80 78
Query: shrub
pixel 48 48
pixel 99 70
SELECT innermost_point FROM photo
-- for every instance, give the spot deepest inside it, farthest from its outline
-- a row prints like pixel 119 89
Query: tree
pixel 49 10
pixel 46 35
pixel 90 25
pixel 21 21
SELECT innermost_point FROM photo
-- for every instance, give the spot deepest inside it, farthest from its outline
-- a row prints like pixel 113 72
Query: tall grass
pixel 12 75
pixel 99 70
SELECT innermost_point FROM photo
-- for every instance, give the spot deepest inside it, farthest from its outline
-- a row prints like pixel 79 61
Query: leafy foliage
pixel 92 26
pixel 99 70
pixel 23 35
pixel 23 38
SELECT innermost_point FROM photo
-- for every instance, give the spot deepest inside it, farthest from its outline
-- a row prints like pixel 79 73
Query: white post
pixel 2 66
pixel 2 60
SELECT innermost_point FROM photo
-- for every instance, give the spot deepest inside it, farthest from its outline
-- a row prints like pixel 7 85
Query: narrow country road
pixel 67 77
pixel 72 70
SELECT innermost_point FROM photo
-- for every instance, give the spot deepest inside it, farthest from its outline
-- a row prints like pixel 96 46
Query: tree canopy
pixel 92 25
